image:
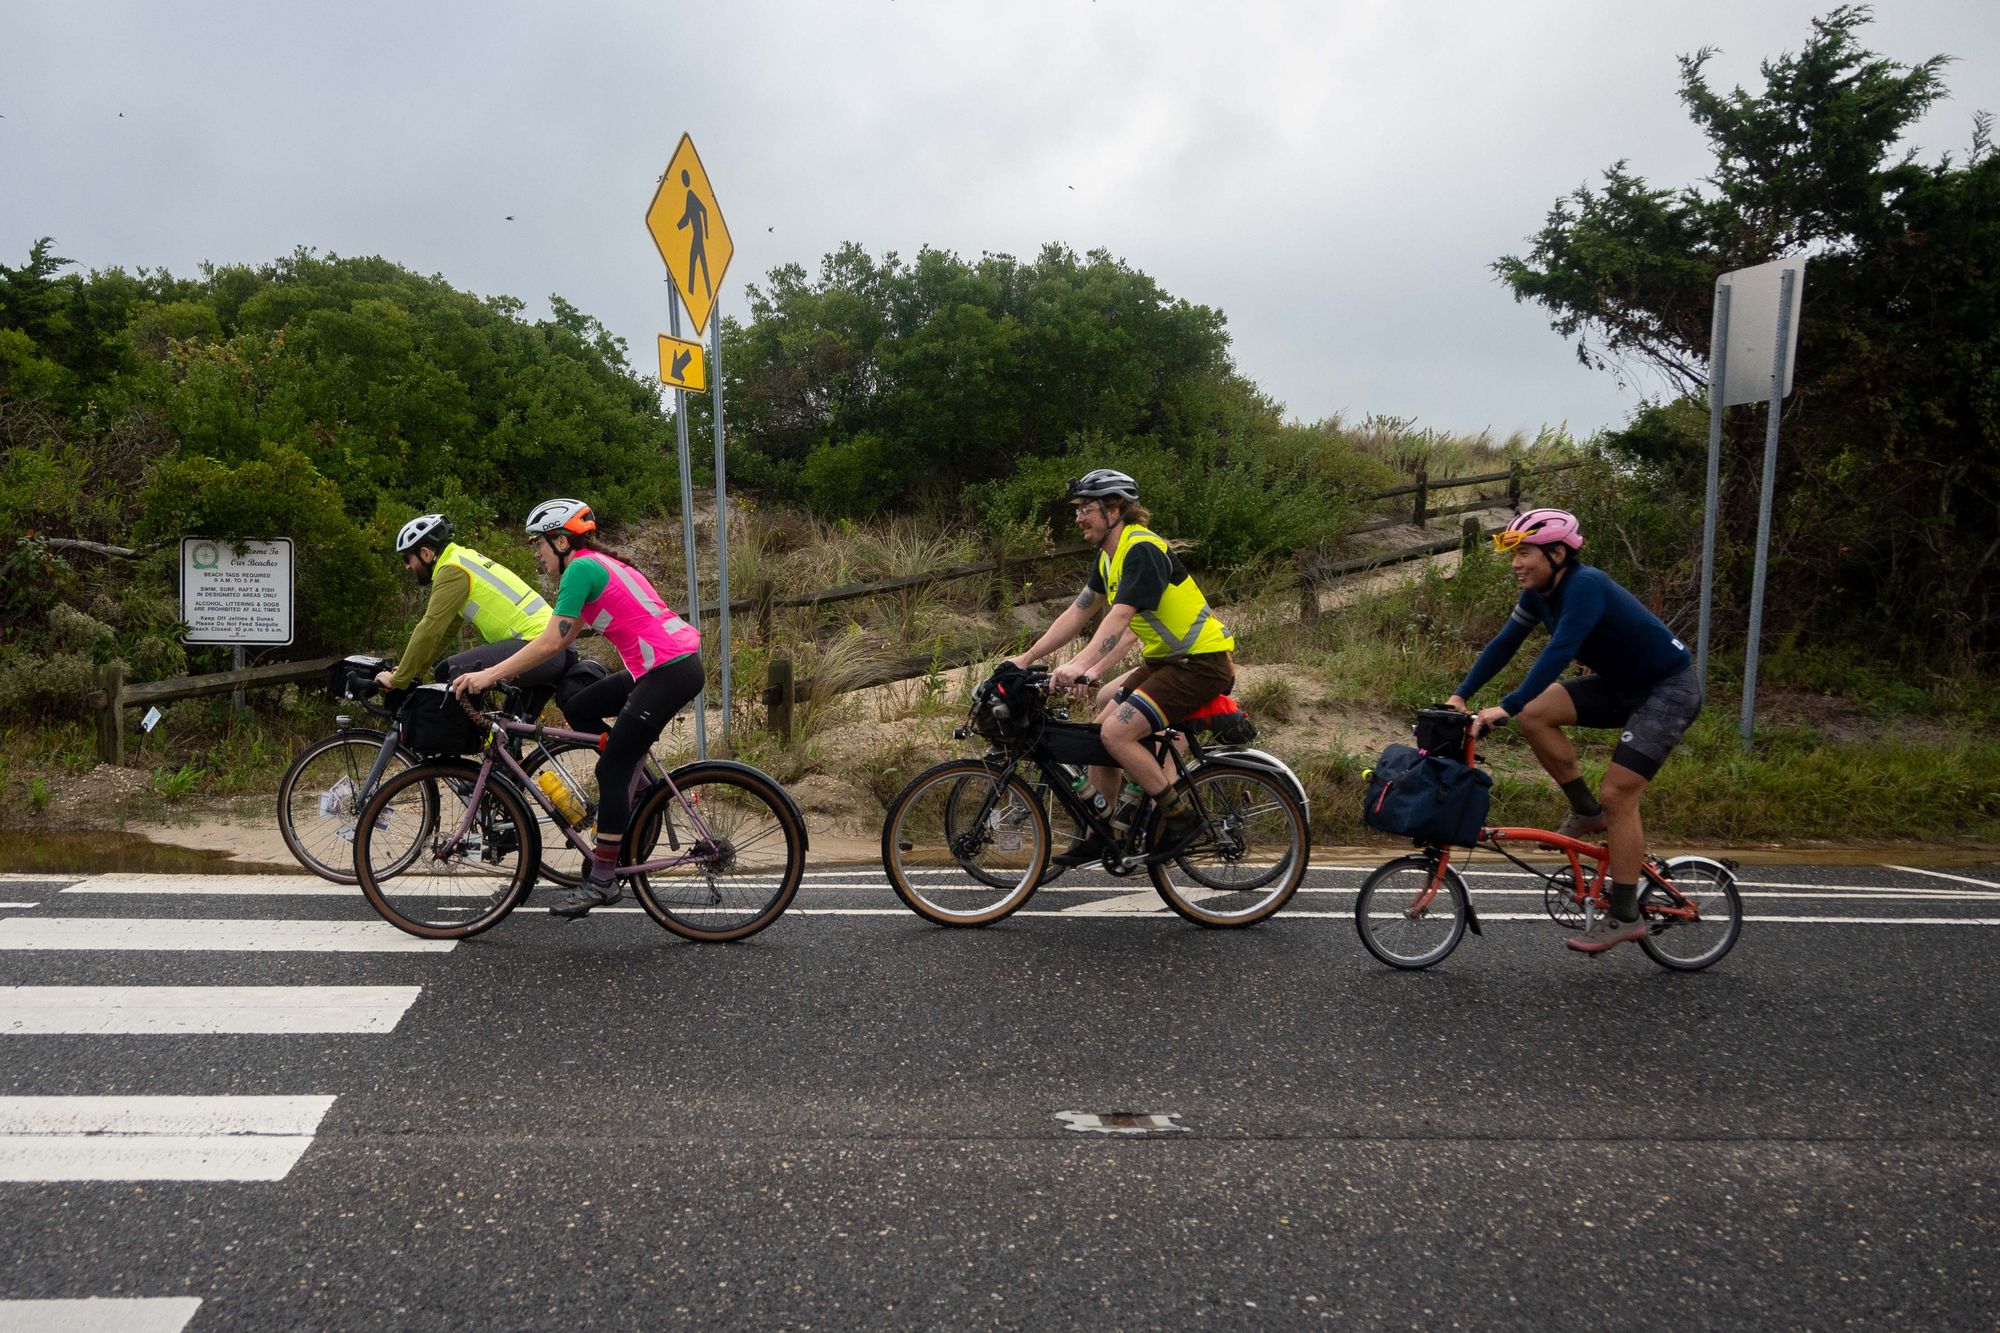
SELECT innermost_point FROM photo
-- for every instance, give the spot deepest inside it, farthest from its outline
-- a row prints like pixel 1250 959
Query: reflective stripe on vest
pixel 1182 624
pixel 631 615
pixel 501 605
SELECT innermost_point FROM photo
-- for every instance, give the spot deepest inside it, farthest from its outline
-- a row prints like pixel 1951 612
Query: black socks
pixel 1581 798
pixel 1624 901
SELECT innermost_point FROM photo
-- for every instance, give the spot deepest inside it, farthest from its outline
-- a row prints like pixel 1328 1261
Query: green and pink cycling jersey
pixel 617 601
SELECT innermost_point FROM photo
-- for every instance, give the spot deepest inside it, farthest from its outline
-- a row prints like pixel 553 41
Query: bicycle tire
pixel 1254 856
pixel 1712 887
pixel 1397 884
pixel 431 895
pixel 1072 832
pixel 744 812
pixel 325 845
pixel 925 855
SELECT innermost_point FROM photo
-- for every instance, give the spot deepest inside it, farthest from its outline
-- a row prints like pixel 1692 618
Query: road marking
pixel 16 906
pixel 1939 874
pixel 1122 1122
pixel 1143 903
pixel 224 936
pixel 135 1010
pixel 1292 914
pixel 282 886
pixel 155 1138
pixel 98 1314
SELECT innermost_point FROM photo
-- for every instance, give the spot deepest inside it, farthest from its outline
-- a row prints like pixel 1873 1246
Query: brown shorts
pixel 1169 689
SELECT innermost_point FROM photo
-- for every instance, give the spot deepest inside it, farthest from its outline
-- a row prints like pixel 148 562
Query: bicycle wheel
pixel 1392 926
pixel 577 763
pixel 320 797
pixel 1695 927
pixel 1251 860
pixel 744 850
pixel 955 819
pixel 435 868
pixel 1064 827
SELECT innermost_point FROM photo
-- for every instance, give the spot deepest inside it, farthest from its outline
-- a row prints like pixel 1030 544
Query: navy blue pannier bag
pixel 1430 796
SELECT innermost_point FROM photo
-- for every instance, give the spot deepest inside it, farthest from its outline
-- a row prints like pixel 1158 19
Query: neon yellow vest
pixel 1181 625
pixel 501 605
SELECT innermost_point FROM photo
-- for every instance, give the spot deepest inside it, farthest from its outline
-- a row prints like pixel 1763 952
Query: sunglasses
pixel 1503 542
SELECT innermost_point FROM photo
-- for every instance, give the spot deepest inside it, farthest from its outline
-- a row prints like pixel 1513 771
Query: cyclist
pixel 1643 682
pixel 1186 648
pixel 499 605
pixel 662 656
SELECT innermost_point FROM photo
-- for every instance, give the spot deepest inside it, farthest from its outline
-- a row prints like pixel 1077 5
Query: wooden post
pixel 996 594
pixel 780 697
pixel 764 595
pixel 1468 536
pixel 1308 594
pixel 1423 492
pixel 1514 485
pixel 111 714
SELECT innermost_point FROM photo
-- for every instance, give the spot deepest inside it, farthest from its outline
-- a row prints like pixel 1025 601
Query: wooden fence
pixel 781 691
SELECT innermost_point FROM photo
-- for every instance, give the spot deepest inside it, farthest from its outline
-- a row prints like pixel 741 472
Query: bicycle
pixel 738 841
pixel 321 795
pixel 966 842
pixel 1411 912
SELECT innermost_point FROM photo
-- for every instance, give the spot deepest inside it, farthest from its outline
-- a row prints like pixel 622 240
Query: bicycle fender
pixel 805 833
pixel 1270 763
pixel 1472 917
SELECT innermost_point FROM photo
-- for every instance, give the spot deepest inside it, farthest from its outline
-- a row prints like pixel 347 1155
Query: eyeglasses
pixel 1504 542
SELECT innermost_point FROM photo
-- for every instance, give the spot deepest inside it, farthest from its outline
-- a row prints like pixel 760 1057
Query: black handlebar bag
pixel 1431 799
pixel 434 723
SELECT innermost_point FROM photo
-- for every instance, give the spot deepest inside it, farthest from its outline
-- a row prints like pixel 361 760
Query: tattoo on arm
pixel 563 627
pixel 1085 600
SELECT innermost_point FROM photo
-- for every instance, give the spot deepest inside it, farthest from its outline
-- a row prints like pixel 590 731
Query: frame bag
pixel 434 724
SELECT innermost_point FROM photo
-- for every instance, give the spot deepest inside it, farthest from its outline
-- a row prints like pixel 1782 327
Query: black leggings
pixel 643 708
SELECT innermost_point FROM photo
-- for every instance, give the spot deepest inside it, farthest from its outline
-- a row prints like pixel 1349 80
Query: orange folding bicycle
pixel 1413 911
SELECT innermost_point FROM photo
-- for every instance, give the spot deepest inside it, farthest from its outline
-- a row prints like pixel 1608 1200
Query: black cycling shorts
pixel 1651 719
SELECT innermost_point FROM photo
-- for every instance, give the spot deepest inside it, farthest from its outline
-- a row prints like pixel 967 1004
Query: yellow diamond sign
pixel 687 226
pixel 682 364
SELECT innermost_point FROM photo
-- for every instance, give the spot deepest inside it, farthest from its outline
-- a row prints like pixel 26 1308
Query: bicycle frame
pixel 499 726
pixel 1127 857
pixel 1590 895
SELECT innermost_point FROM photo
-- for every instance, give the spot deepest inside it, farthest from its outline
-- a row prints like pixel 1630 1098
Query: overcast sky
pixel 1335 177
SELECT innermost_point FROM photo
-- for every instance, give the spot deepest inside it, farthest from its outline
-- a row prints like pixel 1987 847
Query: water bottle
pixel 559 793
pixel 1128 805
pixel 1093 797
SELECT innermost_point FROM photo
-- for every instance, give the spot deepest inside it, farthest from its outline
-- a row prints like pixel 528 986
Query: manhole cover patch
pixel 1122 1122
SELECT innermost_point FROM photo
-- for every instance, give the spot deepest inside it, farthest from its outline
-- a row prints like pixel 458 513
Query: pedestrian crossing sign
pixel 687 226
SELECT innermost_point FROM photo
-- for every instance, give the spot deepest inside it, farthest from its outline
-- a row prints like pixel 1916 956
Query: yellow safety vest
pixel 501 605
pixel 1181 625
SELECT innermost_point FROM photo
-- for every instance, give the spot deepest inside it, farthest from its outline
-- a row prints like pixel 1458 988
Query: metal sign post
pixel 721 519
pixel 687 532
pixel 1780 375
pixel 1718 345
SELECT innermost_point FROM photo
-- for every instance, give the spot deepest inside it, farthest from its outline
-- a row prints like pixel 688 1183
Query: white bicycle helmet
pixel 432 530
pixel 1103 484
pixel 552 516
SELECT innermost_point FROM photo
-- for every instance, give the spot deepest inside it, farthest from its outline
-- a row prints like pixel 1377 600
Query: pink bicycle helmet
pixel 1541 527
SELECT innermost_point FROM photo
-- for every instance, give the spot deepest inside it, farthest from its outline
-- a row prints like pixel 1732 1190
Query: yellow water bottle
pixel 558 791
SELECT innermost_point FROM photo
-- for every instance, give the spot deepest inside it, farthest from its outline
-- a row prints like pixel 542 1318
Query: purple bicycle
pixel 447 848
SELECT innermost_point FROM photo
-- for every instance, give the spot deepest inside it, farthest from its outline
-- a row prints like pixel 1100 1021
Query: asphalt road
pixel 856 1118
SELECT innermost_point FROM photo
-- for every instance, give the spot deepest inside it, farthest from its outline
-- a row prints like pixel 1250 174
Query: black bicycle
pixel 967 842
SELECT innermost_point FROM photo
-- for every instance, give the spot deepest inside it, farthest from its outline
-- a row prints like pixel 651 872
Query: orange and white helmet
pixel 552 516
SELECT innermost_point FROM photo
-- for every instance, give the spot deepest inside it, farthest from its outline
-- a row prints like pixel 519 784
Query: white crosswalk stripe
pixel 99 1314
pixel 146 1010
pixel 155 1138
pixel 223 935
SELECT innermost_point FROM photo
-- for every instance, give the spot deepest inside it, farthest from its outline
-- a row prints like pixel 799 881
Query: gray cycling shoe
pixel 1575 825
pixel 579 899
pixel 1606 932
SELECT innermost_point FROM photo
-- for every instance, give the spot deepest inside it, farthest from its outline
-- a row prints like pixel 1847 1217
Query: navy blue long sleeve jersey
pixel 1590 620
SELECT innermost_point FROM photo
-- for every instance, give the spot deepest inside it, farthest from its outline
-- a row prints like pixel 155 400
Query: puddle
pixel 96 853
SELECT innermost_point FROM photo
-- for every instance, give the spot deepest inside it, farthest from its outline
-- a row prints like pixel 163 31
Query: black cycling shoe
pixel 579 899
pixel 1177 833
pixel 1087 852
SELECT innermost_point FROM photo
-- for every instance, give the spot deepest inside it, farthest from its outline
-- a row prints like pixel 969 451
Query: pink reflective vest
pixel 630 614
